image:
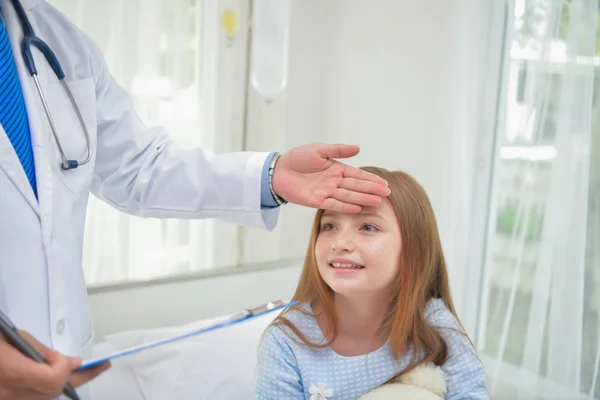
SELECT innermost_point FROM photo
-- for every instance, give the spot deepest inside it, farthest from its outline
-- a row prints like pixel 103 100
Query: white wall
pixel 399 78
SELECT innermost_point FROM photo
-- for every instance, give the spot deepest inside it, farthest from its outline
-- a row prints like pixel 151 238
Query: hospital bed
pixel 218 364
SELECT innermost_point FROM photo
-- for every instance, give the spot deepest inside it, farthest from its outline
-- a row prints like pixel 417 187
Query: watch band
pixel 278 199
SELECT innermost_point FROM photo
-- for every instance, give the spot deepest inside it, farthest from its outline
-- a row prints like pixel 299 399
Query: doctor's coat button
pixel 60 327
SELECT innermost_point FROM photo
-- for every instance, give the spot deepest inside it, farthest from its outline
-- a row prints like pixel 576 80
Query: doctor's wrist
pixel 278 199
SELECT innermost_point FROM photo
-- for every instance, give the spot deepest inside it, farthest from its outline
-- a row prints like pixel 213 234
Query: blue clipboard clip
pixel 243 316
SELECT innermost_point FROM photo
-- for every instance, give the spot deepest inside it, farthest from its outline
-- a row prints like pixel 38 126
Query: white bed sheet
pixel 215 365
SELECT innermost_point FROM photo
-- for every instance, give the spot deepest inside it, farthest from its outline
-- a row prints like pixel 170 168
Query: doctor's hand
pixel 23 378
pixel 308 175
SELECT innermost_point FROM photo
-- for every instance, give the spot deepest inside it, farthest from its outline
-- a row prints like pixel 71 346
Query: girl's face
pixel 359 253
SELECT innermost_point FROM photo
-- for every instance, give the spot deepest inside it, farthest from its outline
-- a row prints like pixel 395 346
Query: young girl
pixel 374 303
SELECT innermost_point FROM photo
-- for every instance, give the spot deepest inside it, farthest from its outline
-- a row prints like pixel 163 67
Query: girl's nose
pixel 343 242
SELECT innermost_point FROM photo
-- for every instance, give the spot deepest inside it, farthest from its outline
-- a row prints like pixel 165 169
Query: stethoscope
pixel 29 39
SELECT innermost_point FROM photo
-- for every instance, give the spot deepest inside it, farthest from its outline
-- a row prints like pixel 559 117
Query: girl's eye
pixel 370 228
pixel 327 227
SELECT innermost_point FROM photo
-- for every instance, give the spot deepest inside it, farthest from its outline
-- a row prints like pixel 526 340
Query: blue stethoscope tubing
pixel 30 39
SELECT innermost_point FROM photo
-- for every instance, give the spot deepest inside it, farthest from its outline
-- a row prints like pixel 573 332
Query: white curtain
pixel 176 60
pixel 540 314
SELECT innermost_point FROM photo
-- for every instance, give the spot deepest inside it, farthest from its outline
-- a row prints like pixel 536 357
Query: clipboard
pixel 244 316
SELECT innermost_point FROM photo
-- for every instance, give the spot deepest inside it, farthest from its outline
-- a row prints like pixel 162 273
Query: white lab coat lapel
pixel 38 123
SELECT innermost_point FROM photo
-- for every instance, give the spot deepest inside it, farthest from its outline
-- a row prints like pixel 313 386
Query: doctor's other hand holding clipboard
pixel 31 379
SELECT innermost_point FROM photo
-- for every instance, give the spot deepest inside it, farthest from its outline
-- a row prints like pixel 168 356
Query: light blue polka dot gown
pixel 290 370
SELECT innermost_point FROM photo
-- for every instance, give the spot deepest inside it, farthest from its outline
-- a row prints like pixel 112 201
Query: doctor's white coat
pixel 134 168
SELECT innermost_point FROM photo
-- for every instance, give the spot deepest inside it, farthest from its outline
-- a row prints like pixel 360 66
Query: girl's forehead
pixel 383 209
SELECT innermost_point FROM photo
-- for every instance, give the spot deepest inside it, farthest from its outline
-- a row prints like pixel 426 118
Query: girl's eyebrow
pixel 372 215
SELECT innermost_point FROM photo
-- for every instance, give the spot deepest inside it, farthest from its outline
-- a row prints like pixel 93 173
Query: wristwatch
pixel 278 199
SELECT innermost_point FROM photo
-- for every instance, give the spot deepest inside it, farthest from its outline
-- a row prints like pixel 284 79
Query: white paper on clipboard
pixel 244 316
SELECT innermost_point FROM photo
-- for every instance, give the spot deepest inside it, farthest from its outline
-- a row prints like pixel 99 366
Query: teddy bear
pixel 425 382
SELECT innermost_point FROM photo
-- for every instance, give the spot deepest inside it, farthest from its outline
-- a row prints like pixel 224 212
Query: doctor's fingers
pixel 362 175
pixel 365 186
pixel 60 371
pixel 352 201
pixel 27 378
pixel 334 205
pixel 82 377
pixel 43 350
pixel 46 379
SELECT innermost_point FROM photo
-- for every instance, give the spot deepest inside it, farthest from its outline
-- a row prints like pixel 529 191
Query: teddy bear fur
pixel 426 382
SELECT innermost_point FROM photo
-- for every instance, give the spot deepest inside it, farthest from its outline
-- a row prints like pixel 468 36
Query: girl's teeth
pixel 344 265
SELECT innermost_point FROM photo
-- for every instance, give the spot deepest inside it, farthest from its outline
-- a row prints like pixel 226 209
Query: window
pixel 181 67
pixel 539 324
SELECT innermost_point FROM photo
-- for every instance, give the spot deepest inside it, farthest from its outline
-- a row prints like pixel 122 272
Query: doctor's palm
pixel 308 175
